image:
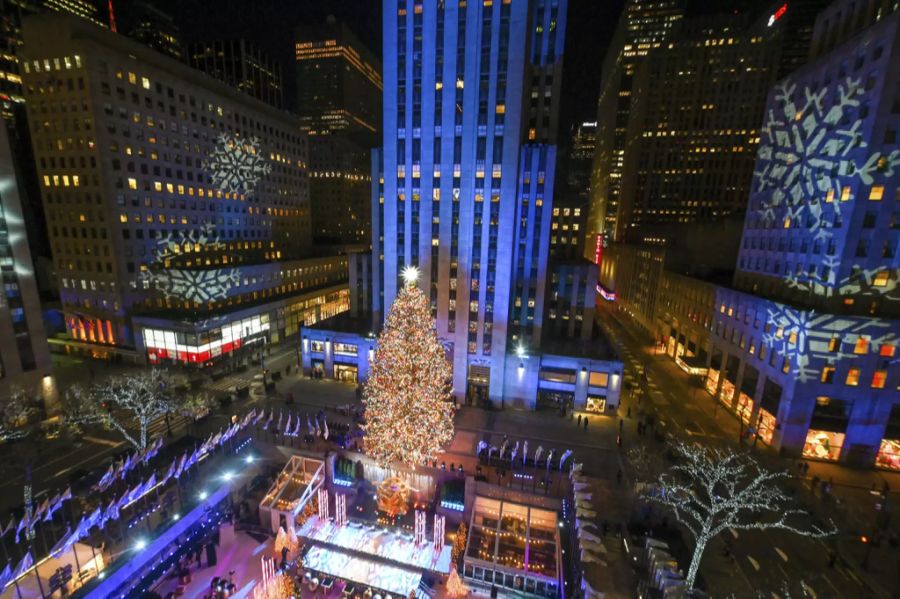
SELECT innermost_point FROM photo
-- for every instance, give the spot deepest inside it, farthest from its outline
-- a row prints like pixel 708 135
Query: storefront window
pixel 595 404
pixel 345 349
pixel 889 454
pixel 345 372
pixel 712 381
pixel 317 346
pixel 745 407
pixel 766 424
pixel 823 445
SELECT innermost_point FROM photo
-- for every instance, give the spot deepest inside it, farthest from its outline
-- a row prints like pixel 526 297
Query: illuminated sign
pixel 777 14
pixel 605 293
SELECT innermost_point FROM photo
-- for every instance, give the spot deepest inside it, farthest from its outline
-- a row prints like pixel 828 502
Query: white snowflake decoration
pixel 236 165
pixel 200 286
pixel 805 338
pixel 807 155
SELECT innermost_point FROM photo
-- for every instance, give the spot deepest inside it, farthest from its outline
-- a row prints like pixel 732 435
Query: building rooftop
pixel 597 347
pixel 345 323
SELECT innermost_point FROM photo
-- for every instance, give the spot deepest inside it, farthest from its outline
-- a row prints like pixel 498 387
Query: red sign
pixel 778 14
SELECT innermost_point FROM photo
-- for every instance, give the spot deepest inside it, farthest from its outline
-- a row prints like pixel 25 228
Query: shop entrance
pixel 555 400
pixel 478 385
pixel 345 372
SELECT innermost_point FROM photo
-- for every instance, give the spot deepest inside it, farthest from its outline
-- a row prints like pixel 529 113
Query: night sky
pixel 270 24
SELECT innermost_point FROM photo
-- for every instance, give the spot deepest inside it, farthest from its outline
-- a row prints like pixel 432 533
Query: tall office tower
pixel 693 124
pixel 581 157
pixel 339 82
pixel 24 355
pixel 155 28
pixel 178 207
pixel 643 26
pixel 340 183
pixel 805 349
pixel 241 65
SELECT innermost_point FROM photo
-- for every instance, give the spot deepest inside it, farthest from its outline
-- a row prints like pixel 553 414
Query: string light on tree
pixel 409 416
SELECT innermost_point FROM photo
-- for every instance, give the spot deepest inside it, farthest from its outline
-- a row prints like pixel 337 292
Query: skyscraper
pixel 463 190
pixel 643 26
pixel 339 82
pixel 241 65
pixel 340 184
pixel 178 207
pixel 24 355
pixel 155 28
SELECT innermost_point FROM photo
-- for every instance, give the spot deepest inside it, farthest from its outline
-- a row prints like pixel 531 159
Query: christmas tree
pixel 455 586
pixel 409 417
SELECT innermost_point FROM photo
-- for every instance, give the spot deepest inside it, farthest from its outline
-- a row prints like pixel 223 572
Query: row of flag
pixel 8 574
pixel 312 426
pixel 123 467
pixel 43 513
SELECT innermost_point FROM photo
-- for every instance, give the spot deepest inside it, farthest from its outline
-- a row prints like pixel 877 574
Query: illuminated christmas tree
pixel 455 586
pixel 409 417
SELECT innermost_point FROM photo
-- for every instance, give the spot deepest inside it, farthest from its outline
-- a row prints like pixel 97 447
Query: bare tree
pixel 710 490
pixel 129 404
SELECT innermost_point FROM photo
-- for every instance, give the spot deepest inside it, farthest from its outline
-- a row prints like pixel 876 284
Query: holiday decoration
pixel 409 417
pixel 438 531
pixel 455 586
pixel 393 496
pixel 236 165
pixel 459 543
pixel 419 538
pixel 323 504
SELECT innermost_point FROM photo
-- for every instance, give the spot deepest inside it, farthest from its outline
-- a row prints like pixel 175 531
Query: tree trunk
pixel 699 548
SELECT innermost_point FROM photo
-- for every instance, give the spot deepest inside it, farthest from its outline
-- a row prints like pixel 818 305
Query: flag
pixel 565 456
pixel 170 472
pixel 298 427
pixel 148 486
pixel 133 493
pixel 287 425
pixel 67 494
pixel 9 527
pixel 316 422
pixel 112 510
pixel 325 420
pixel 104 482
pixel 60 545
pixel 269 421
pixel 39 512
pixel 23 524
pixel 55 504
pixel 180 468
pixel 5 577
pixel 93 519
pixel 24 564
pixel 309 425
pixel 280 415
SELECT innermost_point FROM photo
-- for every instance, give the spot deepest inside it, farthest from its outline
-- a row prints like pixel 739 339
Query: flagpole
pixel 40 585
pixel 77 565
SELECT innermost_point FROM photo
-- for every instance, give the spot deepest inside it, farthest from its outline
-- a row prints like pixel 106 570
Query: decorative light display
pixel 323 504
pixel 236 165
pixel 419 538
pixel 341 508
pixel 393 496
pixel 439 529
pixel 455 586
pixel 409 417
pixel 812 149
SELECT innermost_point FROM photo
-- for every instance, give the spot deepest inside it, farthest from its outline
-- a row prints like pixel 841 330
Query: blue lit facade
pixel 463 185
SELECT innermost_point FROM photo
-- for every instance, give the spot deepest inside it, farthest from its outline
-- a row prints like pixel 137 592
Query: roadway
pixel 764 562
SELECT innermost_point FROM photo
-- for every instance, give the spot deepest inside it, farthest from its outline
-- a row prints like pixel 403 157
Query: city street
pixel 765 560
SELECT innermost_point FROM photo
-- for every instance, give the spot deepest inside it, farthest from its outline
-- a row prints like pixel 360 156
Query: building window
pixel 881 278
pixel 827 374
pixel 598 379
pixel 862 346
pixel 879 379
pixel 853 377
pixel 887 350
pixel 345 349
pixel 317 346
pixel 876 193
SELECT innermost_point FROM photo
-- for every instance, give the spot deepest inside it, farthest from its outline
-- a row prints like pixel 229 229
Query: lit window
pixel 887 350
pixel 879 379
pixel 145 83
pixel 853 377
pixel 881 278
pixel 132 183
pixel 862 345
pixel 827 374
pixel 834 344
pixel 132 78
pixel 845 193
pixel 876 193
pixel 598 379
pixel 501 109
pixel 829 197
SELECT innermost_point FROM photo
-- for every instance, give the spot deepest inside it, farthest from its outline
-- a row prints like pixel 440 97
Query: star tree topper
pixel 409 416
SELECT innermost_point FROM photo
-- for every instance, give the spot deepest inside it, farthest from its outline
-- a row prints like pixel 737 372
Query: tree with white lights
pixel 16 413
pixel 409 416
pixel 710 491
pixel 129 404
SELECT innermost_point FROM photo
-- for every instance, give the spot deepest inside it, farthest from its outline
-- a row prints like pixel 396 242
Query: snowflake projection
pixel 200 286
pixel 862 283
pixel 810 150
pixel 197 285
pixel 803 336
pixel 236 165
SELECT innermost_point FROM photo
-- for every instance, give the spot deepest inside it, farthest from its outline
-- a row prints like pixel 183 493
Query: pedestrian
pixel 579 420
pixel 585 422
